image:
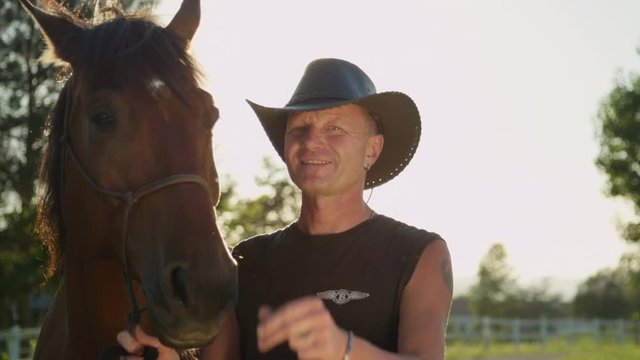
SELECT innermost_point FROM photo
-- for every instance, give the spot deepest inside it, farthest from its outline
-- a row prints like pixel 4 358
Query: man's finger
pixel 269 340
pixel 264 312
pixel 291 320
pixel 129 343
pixel 290 313
pixel 145 339
pixel 301 340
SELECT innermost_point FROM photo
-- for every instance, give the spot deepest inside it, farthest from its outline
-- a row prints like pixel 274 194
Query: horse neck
pixel 97 303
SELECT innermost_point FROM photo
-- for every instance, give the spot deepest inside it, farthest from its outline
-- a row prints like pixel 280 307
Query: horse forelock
pixel 132 49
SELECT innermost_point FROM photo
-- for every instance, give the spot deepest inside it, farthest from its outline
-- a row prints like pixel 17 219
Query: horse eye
pixel 103 120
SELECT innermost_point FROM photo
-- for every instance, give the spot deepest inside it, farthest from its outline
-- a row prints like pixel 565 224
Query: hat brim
pixel 397 115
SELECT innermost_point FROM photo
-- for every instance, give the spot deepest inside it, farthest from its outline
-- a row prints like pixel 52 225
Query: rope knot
pixel 129 199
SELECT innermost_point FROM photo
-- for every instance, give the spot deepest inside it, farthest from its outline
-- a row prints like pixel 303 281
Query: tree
pixel 538 301
pixel 602 296
pixel 498 294
pixel 27 92
pixel 619 156
pixel 611 293
pixel 277 207
pixel 629 273
pixel 28 89
pixel 18 279
pixel 496 286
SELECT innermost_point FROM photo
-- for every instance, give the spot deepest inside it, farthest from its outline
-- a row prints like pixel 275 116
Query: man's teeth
pixel 315 162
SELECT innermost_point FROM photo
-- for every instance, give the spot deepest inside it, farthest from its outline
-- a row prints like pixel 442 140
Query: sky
pixel 508 93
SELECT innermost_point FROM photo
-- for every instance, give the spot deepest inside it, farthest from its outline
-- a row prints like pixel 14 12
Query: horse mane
pixel 135 48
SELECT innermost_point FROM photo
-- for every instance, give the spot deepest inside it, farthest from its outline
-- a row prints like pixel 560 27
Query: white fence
pixel 487 330
pixel 19 342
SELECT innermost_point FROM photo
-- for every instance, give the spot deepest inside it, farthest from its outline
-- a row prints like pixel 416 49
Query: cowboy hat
pixel 328 83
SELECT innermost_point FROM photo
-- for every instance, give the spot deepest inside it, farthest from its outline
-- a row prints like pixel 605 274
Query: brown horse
pixel 130 186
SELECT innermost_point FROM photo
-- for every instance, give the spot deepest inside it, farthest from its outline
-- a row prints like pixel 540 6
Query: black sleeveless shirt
pixel 360 274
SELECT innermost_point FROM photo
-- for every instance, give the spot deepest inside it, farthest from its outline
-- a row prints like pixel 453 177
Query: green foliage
pixel 537 301
pixel 277 207
pixel 617 292
pixel 21 262
pixel 629 269
pixel 611 293
pixel 28 90
pixel 619 157
pixel 498 294
pixel 557 349
pixel 602 296
pixel 496 284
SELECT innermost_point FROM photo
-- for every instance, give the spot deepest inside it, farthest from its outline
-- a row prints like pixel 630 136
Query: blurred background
pixel 529 162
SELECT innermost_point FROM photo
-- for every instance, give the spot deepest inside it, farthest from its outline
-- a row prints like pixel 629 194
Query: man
pixel 342 282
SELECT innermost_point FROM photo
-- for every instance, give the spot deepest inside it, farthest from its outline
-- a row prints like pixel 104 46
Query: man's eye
pixel 295 130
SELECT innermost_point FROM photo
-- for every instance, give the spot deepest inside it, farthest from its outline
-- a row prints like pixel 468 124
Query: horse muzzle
pixel 187 312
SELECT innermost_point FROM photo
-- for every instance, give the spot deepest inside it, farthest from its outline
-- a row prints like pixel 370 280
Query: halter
pixel 129 198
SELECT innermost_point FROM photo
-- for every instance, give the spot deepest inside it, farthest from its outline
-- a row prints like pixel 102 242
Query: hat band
pixel 310 98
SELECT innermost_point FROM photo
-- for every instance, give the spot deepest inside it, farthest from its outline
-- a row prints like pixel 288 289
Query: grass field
pixel 585 349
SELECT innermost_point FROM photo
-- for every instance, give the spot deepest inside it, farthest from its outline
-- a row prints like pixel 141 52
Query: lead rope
pixel 130 199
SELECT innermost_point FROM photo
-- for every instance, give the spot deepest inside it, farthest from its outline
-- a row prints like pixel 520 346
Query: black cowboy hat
pixel 328 83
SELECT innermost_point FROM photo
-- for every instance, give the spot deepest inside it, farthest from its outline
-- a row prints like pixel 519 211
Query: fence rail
pixel 19 342
pixel 487 330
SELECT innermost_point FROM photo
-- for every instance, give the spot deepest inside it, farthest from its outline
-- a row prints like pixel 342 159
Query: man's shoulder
pixel 256 244
pixel 406 232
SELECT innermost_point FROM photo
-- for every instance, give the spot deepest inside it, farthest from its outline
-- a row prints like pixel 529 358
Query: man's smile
pixel 315 162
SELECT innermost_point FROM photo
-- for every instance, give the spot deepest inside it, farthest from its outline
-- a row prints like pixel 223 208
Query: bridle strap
pixel 129 198
pixel 134 196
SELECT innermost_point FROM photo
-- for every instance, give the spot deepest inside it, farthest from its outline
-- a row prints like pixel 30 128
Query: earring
pixel 367 167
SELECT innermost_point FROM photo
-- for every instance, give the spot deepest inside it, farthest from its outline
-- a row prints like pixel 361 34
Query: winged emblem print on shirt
pixel 342 296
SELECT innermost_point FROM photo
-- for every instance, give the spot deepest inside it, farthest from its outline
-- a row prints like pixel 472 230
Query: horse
pixel 129 186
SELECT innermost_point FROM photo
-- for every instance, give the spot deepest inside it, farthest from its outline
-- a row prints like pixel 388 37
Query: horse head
pixel 130 180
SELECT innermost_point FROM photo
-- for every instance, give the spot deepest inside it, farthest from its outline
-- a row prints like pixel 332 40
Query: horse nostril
pixel 179 285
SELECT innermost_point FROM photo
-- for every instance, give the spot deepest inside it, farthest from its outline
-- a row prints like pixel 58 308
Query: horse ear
pixel 186 21
pixel 56 29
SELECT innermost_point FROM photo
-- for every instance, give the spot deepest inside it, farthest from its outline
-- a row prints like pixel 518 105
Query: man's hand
pixel 306 325
pixel 134 344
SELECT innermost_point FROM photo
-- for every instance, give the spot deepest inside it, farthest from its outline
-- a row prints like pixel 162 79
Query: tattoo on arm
pixel 446 273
